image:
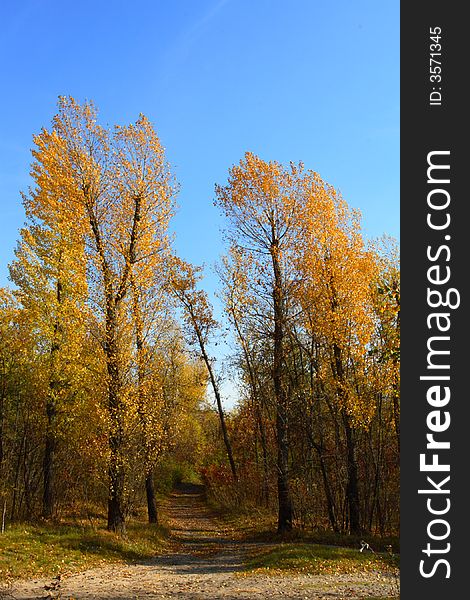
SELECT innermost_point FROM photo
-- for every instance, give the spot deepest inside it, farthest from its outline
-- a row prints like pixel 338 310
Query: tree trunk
pixel 284 523
pixel 218 399
pixel 116 519
pixel 329 497
pixel 223 425
pixel 352 486
pixel 151 500
pixel 284 497
pixel 265 459
pixel 139 344
pixel 330 504
pixel 116 471
pixel 48 497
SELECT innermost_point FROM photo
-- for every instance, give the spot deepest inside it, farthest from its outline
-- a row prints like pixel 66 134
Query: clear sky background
pixel 310 80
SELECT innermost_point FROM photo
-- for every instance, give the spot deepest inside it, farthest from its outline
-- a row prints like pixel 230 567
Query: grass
pixel 259 525
pixel 51 549
pixel 46 550
pixel 312 552
pixel 318 559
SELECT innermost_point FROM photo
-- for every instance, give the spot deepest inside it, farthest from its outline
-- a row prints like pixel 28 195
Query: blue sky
pixel 310 80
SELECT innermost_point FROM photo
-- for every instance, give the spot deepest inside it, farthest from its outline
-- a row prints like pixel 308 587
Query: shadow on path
pixel 204 547
pixel 202 566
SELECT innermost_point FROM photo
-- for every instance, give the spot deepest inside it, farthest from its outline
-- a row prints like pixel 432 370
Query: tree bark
pixel 330 504
pixel 116 517
pixel 329 497
pixel 152 512
pixel 265 459
pixel 116 520
pixel 284 523
pixel 48 498
pixel 352 486
pixel 220 410
pixel 151 500
pixel 285 515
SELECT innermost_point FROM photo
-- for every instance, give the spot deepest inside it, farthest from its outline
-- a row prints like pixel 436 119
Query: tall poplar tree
pixel 120 198
pixel 50 274
pixel 335 291
pixel 261 202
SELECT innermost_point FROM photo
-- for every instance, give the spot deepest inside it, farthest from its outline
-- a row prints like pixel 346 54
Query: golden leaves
pixel 289 218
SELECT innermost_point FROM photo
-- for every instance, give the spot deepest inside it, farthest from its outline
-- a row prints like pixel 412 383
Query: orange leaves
pixel 296 244
pixel 91 265
pixel 336 271
pixel 336 275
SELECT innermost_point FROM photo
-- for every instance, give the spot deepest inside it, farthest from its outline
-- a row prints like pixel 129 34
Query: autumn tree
pixel 121 194
pixel 336 273
pixel 299 275
pixel 261 203
pixel 50 278
pixel 387 306
pixel 201 325
pixel 24 385
pixel 239 304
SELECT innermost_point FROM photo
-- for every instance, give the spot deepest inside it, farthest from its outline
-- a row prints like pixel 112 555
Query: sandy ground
pixel 203 565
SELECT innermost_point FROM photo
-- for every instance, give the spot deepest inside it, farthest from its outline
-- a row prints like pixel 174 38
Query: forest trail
pixel 204 564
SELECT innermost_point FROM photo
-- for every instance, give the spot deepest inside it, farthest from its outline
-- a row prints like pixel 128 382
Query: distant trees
pixel 197 313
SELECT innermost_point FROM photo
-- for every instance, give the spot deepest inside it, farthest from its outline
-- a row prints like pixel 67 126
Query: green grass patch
pixel 47 550
pixel 318 559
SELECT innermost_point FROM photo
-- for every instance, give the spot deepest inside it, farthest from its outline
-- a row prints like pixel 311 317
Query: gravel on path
pixel 206 564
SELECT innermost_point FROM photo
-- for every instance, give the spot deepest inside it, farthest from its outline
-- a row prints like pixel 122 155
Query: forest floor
pixel 208 560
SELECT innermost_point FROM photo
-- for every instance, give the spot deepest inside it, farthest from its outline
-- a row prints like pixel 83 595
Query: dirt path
pixel 203 565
